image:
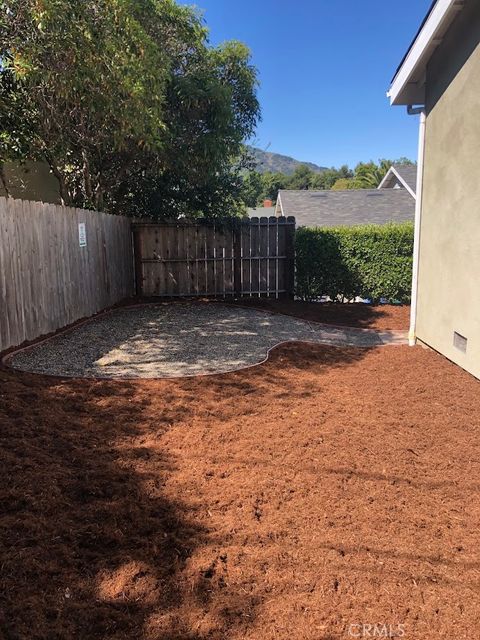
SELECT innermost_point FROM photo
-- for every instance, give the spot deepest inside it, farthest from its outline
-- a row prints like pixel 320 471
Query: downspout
pixel 412 111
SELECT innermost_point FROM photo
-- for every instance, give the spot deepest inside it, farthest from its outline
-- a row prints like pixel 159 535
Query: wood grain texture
pixel 221 258
pixel 47 280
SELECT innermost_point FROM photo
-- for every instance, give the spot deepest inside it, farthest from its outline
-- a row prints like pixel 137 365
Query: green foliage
pixel 252 189
pixel 272 183
pixel 126 101
pixel 344 183
pixel 302 178
pixel 328 178
pixel 366 175
pixel 371 261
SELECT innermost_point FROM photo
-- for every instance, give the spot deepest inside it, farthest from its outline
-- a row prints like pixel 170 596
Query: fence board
pixel 272 253
pixel 182 266
pixel 246 263
pixel 202 264
pixel 282 247
pixel 228 264
pixel 254 253
pixel 227 257
pixel 190 238
pixel 46 279
pixel 263 254
pixel 220 288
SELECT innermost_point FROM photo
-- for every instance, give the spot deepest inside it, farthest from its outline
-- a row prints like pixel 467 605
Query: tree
pixel 368 175
pixel 211 109
pixel 87 95
pixel 272 183
pixel 344 183
pixel 329 177
pixel 252 189
pixel 123 98
pixel 301 178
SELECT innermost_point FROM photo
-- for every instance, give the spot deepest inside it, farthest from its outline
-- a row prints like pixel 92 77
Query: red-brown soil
pixel 324 488
pixel 366 316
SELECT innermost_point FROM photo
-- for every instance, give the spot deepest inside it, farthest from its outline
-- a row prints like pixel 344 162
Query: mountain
pixel 275 162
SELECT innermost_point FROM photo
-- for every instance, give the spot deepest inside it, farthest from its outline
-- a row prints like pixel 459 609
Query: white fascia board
pixel 386 178
pixel 408 85
pixel 278 206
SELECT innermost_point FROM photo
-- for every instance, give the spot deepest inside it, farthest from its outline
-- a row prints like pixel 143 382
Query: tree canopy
pixel 128 104
pixel 365 175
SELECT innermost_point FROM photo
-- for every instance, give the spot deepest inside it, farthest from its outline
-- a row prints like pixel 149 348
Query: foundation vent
pixel 459 342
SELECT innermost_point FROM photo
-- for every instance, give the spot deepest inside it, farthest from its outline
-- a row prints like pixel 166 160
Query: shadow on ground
pixel 175 340
pixel 359 315
pixel 91 546
pixel 87 550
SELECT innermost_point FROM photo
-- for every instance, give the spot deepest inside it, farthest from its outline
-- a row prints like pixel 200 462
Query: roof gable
pixel 405 174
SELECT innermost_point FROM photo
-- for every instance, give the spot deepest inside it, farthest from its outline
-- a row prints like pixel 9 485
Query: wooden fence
pixel 58 264
pixel 227 257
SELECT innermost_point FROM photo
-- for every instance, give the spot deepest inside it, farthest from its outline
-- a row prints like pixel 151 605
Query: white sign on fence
pixel 82 234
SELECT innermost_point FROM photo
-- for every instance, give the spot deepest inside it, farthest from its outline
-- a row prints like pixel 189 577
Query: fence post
pixel 137 253
pixel 237 256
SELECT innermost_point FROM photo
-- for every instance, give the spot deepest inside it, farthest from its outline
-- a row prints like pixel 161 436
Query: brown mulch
pixel 381 317
pixel 324 488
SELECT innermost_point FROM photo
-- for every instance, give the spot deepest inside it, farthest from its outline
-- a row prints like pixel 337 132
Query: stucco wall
pixel 30 181
pixel 449 266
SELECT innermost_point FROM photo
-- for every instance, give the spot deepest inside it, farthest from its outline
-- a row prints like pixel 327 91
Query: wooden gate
pixel 221 258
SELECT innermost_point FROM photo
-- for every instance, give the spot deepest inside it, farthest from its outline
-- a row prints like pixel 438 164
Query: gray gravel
pixel 180 339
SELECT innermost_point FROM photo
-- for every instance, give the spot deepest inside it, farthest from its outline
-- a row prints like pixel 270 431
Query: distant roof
pixel 404 175
pixel 254 212
pixel 347 208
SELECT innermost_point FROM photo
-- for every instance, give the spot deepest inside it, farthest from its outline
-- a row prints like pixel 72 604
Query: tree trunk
pixel 87 180
pixel 64 193
pixel 3 180
pixel 99 198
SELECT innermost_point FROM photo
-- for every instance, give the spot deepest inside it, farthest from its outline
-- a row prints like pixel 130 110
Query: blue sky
pixel 324 67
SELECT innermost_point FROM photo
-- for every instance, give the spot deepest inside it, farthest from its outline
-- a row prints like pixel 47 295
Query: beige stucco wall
pixel 30 181
pixel 449 264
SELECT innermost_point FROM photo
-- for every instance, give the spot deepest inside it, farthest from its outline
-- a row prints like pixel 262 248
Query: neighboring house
pixel 346 208
pixel 441 73
pixel 259 212
pixel 267 209
pixel 401 176
pixel 29 181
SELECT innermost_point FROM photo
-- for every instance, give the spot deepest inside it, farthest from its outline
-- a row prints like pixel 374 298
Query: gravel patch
pixel 181 339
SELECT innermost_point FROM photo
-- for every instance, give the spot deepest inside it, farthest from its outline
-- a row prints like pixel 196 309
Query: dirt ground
pixel 322 490
pixel 366 316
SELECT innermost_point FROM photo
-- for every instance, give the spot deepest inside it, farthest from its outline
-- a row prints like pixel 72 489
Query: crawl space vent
pixel 459 342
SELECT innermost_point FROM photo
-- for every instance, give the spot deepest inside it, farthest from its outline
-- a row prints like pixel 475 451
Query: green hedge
pixel 371 261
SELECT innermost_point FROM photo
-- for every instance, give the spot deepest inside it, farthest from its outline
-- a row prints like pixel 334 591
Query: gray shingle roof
pixel 347 208
pixel 258 212
pixel 408 173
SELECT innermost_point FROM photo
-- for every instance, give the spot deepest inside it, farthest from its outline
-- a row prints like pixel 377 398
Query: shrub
pixel 371 261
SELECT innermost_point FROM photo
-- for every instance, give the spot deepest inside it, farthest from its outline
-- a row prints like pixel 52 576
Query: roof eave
pixel 408 85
